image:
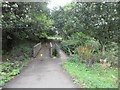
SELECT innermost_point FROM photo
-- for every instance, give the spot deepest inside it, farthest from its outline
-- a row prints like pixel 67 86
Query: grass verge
pixel 93 77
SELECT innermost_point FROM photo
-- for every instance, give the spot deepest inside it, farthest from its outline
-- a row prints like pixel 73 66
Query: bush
pixel 74 58
pixel 68 46
pixel 9 70
pixel 75 39
pixel 79 39
pixel 111 54
pixel 97 56
pixel 13 61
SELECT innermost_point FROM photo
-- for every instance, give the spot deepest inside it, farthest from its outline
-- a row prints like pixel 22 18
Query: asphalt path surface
pixel 43 72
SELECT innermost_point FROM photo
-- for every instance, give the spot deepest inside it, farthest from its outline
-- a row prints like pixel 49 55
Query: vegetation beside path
pixel 14 61
pixel 94 77
pixel 89 32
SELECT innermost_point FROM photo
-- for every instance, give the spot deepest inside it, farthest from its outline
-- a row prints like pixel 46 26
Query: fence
pixel 51 46
pixel 54 50
pixel 36 49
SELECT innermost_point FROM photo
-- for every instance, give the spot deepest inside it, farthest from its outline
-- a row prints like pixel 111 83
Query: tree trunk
pixel 103 49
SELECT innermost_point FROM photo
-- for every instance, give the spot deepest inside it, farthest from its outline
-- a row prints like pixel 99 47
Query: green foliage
pixel 79 24
pixel 44 25
pixel 73 41
pixel 55 38
pixel 92 77
pixel 94 44
pixel 79 39
pixel 23 49
pixel 25 20
pixel 14 61
pixel 74 59
pixel 111 54
pixel 9 70
pixel 98 20
pixel 98 56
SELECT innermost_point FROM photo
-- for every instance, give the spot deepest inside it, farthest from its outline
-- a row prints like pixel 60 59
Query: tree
pixel 98 20
pixel 25 20
pixel 14 20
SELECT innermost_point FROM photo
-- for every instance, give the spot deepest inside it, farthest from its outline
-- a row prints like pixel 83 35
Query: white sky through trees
pixel 56 3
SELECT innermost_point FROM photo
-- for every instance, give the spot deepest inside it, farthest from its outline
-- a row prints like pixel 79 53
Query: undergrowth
pixel 93 77
pixel 14 61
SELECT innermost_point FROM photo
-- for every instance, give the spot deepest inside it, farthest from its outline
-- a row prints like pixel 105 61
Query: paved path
pixel 43 73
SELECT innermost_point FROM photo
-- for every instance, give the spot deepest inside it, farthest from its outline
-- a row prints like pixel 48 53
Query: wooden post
pixel 36 49
pixel 51 49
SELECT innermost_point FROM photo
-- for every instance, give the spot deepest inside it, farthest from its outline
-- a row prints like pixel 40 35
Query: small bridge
pixel 43 71
pixel 49 49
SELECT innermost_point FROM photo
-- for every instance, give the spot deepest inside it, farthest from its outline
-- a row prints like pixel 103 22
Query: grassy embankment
pixel 93 77
pixel 14 60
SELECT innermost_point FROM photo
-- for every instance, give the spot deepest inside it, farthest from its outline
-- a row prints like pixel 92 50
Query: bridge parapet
pixel 54 50
pixel 36 49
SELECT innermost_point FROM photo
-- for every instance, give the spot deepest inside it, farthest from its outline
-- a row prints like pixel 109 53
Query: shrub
pixel 75 39
pixel 85 53
pixel 111 54
pixel 18 57
pixel 74 58
pixel 9 70
pixel 68 46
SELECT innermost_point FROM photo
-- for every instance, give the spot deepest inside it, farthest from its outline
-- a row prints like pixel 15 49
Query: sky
pixel 56 3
